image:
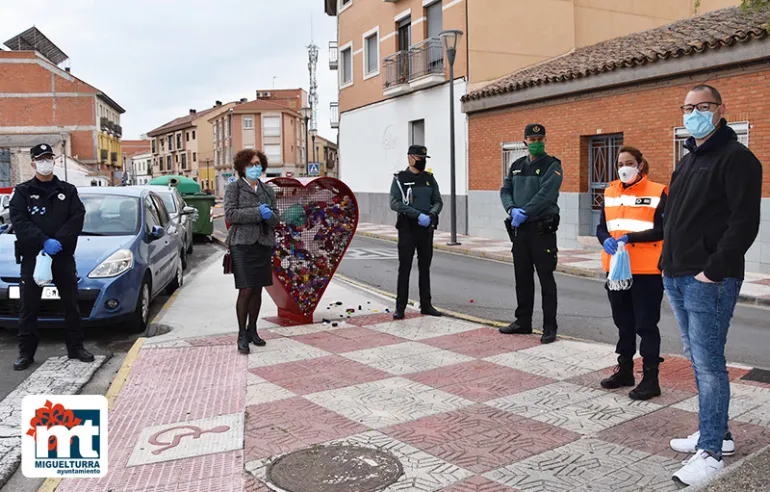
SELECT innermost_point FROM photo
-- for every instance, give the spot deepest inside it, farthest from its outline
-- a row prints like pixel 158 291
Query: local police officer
pixel 47 215
pixel 415 196
pixel 529 196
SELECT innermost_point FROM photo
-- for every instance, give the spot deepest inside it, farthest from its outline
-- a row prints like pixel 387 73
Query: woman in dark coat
pixel 250 209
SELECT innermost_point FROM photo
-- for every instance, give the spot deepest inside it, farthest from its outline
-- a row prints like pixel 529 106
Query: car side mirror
pixel 189 210
pixel 157 233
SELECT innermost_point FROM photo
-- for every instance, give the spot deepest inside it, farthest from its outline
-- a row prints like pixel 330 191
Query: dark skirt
pixel 252 265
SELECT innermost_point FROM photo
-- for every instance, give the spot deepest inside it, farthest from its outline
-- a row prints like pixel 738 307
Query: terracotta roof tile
pixel 725 27
pixel 181 122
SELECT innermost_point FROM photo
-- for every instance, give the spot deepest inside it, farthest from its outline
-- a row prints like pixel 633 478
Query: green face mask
pixel 536 148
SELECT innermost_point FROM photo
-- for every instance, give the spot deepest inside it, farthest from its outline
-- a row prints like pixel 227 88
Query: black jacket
pixel 46 210
pixel 712 213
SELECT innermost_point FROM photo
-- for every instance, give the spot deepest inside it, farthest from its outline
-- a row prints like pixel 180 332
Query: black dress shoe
pixel 23 363
pixel 81 354
pixel 516 328
pixel 399 314
pixel 431 311
pixel 549 336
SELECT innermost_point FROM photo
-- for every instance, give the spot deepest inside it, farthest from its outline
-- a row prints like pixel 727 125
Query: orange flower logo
pixel 50 415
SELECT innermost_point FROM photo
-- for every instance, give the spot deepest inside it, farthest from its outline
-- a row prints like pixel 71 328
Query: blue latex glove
pixel 423 220
pixel 623 239
pixel 518 216
pixel 51 247
pixel 267 212
pixel 611 246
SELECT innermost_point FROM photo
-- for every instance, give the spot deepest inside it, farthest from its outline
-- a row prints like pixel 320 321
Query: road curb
pixel 113 391
pixel 567 269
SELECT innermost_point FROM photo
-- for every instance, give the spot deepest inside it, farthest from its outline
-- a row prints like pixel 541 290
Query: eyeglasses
pixel 704 106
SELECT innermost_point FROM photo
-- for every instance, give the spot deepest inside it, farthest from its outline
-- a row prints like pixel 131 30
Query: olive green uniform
pixel 533 185
pixel 411 195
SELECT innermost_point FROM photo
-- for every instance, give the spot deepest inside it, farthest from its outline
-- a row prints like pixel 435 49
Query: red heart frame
pixel 331 209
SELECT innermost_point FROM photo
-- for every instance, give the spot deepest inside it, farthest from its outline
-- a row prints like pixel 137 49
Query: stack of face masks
pixel 620 277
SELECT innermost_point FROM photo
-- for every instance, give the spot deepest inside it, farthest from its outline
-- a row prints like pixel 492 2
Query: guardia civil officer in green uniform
pixel 415 196
pixel 529 195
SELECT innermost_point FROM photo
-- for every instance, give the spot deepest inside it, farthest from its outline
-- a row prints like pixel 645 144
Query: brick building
pixel 626 90
pixel 394 80
pixel 39 101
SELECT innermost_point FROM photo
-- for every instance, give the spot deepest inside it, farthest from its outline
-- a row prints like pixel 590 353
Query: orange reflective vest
pixel 632 209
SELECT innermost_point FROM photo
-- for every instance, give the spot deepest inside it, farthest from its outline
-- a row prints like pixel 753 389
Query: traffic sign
pixel 313 169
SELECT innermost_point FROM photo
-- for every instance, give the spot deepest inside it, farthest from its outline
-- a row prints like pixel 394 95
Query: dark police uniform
pixel 533 185
pixel 42 210
pixel 411 195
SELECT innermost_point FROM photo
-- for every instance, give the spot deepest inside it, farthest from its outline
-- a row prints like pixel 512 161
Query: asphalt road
pixel 485 289
pixel 103 340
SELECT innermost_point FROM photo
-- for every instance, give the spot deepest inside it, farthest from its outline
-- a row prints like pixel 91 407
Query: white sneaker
pixel 700 468
pixel 689 443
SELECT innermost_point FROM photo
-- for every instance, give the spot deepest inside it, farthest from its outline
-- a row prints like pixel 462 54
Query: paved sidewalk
pixel 462 407
pixel 584 263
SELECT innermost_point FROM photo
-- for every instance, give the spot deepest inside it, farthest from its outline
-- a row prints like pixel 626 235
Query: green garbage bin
pixel 184 185
pixel 203 202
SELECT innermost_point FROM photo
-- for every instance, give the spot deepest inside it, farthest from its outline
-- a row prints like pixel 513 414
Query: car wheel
pixel 178 279
pixel 141 317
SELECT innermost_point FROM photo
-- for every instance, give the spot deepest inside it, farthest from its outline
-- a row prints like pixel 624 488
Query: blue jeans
pixel 703 312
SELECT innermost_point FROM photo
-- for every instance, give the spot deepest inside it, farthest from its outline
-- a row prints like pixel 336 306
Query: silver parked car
pixel 5 214
pixel 182 215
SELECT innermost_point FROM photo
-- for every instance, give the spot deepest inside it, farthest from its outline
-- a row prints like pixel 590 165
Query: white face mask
pixel 628 174
pixel 44 167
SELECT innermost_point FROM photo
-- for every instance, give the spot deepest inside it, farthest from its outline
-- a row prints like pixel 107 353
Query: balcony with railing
pixel 420 67
pixel 334 111
pixel 334 55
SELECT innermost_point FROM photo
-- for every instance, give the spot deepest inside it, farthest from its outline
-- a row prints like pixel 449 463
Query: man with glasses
pixel 711 219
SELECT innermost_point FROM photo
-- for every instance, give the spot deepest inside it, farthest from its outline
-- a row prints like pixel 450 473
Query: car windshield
pixel 110 215
pixel 168 201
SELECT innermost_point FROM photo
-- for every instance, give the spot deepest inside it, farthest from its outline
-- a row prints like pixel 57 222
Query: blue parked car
pixel 129 252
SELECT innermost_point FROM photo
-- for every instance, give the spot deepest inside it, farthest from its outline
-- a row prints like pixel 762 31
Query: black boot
pixel 650 386
pixel 81 354
pixel 517 328
pixel 430 311
pixel 398 314
pixel 549 336
pixel 623 376
pixel 243 341
pixel 255 338
pixel 23 362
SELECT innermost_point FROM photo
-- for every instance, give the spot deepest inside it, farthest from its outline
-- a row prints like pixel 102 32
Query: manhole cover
pixel 335 469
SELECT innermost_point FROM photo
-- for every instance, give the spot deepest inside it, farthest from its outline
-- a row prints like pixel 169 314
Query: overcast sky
pixel 159 58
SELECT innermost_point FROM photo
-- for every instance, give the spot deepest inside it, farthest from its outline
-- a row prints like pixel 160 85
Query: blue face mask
pixel 699 123
pixel 254 172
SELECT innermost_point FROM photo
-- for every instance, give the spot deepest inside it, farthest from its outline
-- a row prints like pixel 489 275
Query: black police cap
pixel 418 150
pixel 534 130
pixel 41 150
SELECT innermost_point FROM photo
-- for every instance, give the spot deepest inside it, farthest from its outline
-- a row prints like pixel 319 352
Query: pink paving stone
pixel 228 339
pixel 676 373
pixel 478 484
pixel 348 339
pixel 483 342
pixel 764 281
pixel 752 383
pixel 376 319
pixel 479 380
pixel 287 425
pixel 251 484
pixel 321 374
pixel 481 438
pixel 652 433
pixel 167 386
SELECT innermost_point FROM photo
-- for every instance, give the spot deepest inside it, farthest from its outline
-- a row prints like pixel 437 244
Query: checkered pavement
pixel 461 406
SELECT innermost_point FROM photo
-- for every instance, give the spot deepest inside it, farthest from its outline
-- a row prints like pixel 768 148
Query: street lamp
pixel 450 39
pixel 306 114
pixel 313 133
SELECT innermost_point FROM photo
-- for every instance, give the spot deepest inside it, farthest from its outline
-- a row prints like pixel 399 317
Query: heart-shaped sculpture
pixel 319 217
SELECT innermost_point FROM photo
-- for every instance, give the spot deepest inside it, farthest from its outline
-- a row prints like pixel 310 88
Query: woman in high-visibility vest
pixel 633 214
